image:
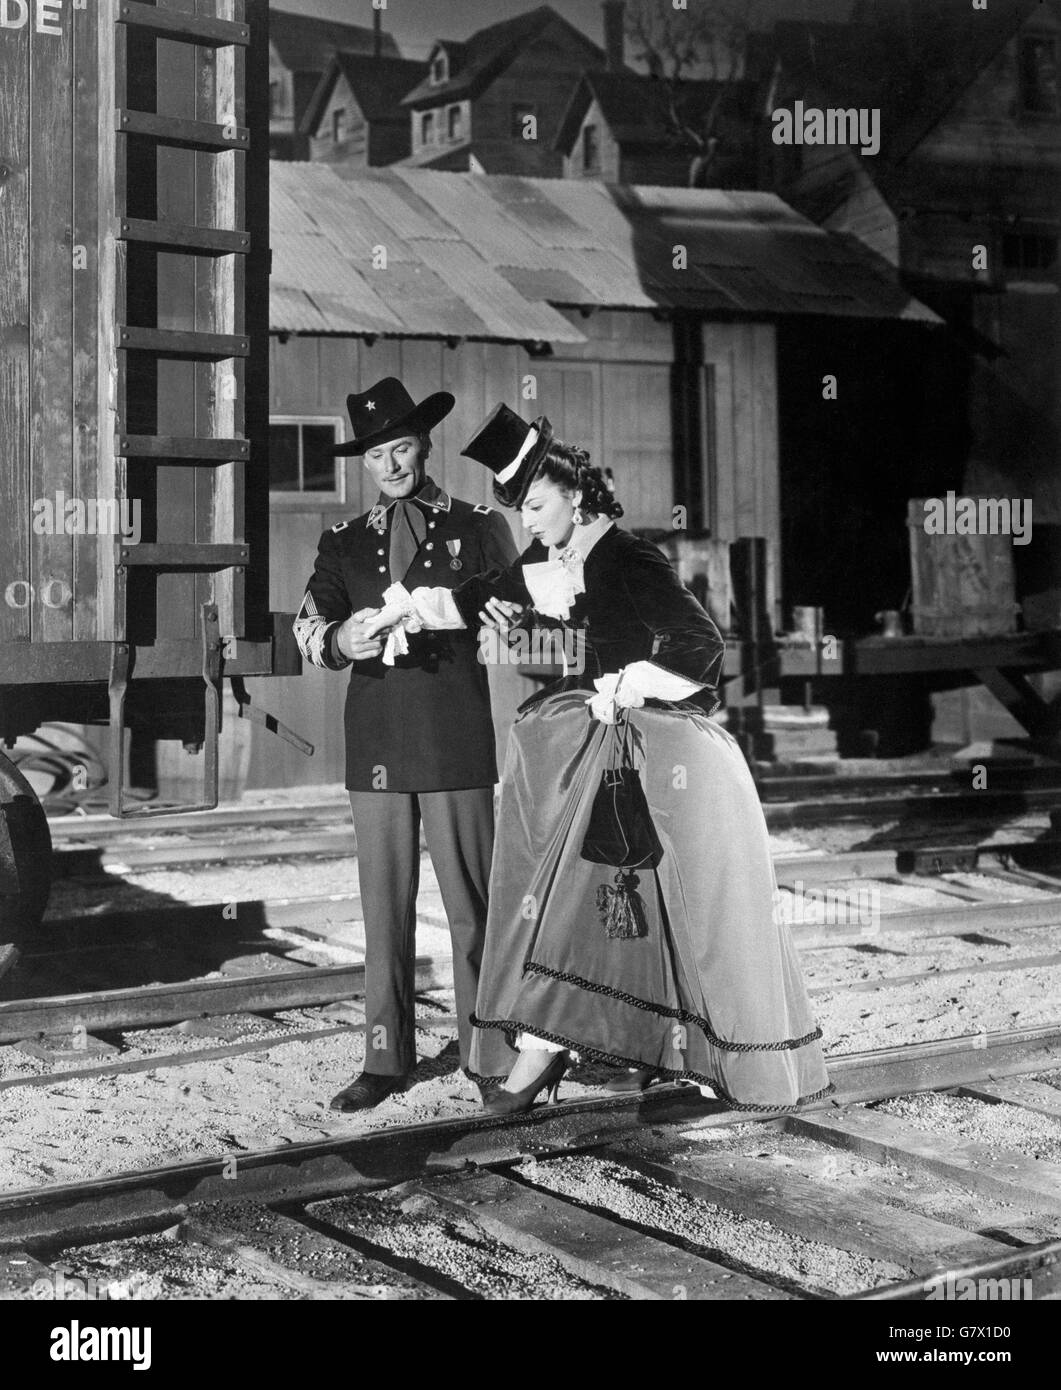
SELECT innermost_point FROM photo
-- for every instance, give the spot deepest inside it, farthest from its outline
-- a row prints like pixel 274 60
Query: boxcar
pixel 133 386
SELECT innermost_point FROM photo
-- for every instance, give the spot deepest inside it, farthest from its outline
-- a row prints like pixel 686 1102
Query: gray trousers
pixel 459 829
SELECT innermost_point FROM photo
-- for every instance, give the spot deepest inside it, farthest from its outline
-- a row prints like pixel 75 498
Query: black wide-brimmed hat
pixel 387 411
pixel 512 450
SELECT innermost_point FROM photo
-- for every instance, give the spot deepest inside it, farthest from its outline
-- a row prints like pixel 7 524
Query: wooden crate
pixel 703 565
pixel 961 585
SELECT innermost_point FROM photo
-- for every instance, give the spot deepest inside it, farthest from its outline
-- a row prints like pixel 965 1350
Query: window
pixel 276 97
pixel 520 111
pixel 439 69
pixel 590 149
pixel 1029 251
pixel 298 457
pixel 427 128
pixel 1038 77
pixel 455 123
pixel 339 125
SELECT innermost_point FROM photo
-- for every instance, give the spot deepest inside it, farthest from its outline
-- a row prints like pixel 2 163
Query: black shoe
pixel 503 1102
pixel 366 1091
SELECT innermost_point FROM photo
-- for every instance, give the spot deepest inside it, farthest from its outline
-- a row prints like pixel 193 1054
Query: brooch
pixel 454 549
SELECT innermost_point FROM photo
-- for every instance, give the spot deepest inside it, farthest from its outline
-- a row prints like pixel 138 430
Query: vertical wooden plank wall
pixel 744 491
pixel 14 337
pixel 111 470
pixel 85 308
pixel 51 145
pixel 221 386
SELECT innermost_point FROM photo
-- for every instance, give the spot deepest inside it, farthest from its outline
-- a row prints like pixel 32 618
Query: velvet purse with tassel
pixel 621 834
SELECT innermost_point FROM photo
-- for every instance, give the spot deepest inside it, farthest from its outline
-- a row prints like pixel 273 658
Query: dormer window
pixel 439 68
pixel 339 125
pixel 1038 76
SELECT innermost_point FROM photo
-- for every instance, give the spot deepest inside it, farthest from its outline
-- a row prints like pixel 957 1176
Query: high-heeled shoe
pixel 518 1102
pixel 638 1079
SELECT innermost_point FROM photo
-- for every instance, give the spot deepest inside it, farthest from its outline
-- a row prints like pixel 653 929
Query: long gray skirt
pixel 712 991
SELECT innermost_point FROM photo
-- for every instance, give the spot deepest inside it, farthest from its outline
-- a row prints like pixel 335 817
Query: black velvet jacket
pixel 635 608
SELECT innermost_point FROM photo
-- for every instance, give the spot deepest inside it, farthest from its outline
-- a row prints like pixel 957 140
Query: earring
pixel 576 516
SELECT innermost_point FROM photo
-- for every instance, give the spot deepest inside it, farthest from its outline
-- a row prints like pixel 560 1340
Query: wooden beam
pixel 171 236
pixel 988 1169
pixel 170 343
pixel 598 1249
pixel 184 134
pixel 817 1210
pixel 172 448
pixel 184 28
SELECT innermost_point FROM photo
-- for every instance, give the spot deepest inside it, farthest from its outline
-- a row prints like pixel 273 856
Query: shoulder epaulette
pixel 483 509
pixel 340 526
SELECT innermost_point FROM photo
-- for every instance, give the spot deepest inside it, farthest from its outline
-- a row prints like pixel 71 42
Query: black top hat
pixel 387 411
pixel 512 450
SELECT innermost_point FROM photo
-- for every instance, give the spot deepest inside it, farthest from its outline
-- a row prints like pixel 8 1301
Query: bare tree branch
pixel 673 44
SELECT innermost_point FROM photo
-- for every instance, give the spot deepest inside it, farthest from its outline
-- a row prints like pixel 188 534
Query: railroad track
pixel 662 1196
pixel 595 1198
pixel 88 846
pixel 249 950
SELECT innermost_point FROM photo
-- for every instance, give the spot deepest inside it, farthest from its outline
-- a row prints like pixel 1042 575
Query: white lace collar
pixel 556 583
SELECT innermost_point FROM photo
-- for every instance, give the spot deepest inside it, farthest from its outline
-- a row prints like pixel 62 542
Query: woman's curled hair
pixel 569 467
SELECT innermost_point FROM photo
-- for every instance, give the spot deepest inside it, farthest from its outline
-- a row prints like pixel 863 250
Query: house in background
pixel 623 127
pixel 482 98
pixel 356 115
pixel 300 49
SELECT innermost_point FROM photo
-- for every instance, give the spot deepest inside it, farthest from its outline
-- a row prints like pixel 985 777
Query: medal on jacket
pixel 454 549
pixel 377 518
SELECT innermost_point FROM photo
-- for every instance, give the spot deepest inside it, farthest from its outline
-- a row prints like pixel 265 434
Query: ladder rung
pixel 169 446
pixel 177 236
pixel 187 28
pixel 170 343
pixel 183 557
pixel 192 135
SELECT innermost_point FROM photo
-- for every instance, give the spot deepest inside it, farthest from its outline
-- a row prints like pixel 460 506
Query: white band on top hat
pixel 527 445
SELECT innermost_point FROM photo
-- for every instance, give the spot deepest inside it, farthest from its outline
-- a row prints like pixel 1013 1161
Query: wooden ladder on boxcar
pixel 206 253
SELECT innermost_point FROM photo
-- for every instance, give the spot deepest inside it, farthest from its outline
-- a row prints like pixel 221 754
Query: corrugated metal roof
pixel 473 256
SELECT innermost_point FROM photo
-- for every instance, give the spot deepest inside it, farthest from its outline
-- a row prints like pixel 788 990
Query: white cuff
pixel 633 685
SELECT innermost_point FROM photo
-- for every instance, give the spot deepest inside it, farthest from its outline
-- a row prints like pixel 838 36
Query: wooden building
pixel 300 49
pixel 623 127
pixel 355 116
pixel 560 298
pixel 493 103
pixel 964 199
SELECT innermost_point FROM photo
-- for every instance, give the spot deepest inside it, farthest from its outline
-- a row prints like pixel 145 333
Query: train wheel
pixel 25 862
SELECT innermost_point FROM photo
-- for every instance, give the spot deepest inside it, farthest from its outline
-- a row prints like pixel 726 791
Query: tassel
pixel 621 908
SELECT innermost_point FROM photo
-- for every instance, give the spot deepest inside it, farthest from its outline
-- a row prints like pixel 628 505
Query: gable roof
pixel 637 108
pixel 495 257
pixel 475 63
pixel 912 63
pixel 378 85
pixel 306 44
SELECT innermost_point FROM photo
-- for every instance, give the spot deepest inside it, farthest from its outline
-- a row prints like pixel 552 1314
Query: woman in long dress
pixel 700 979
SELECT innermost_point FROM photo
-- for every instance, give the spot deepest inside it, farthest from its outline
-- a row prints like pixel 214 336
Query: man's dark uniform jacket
pixel 424 723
